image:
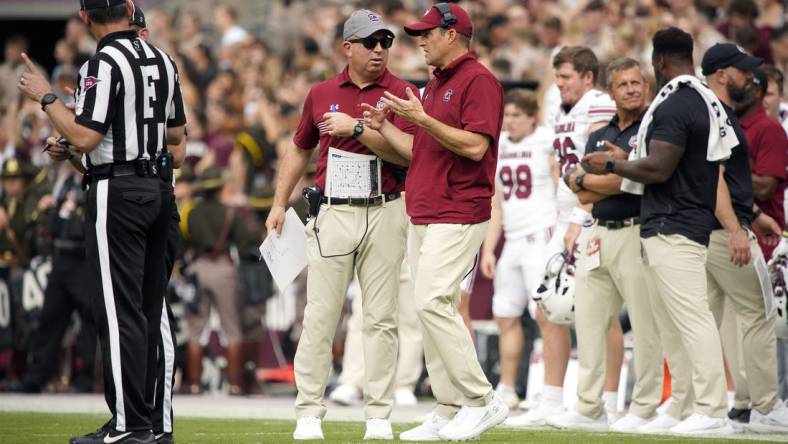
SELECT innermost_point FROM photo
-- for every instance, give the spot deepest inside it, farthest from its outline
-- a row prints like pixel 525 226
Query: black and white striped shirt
pixel 129 91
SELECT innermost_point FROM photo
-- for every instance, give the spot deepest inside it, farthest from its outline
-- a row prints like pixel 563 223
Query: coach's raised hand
pixel 374 118
pixel 33 84
pixel 410 109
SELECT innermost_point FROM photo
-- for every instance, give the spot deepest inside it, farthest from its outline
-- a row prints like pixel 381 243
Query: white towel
pixel 722 137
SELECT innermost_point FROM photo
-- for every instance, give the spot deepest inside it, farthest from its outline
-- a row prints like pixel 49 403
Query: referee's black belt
pixel 361 201
pixel 139 168
pixel 618 224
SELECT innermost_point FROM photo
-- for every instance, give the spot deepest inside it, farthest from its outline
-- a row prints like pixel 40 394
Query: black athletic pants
pixel 67 291
pixel 161 403
pixel 126 240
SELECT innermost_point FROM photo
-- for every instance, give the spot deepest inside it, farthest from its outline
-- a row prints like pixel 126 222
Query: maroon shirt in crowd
pixel 340 94
pixel 768 152
pixel 444 187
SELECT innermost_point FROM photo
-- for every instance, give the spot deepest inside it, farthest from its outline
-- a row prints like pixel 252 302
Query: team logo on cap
pixel 373 17
pixel 333 108
pixel 447 95
pixel 90 82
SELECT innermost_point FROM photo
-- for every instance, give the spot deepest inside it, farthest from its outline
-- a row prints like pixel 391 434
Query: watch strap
pixel 358 129
pixel 47 100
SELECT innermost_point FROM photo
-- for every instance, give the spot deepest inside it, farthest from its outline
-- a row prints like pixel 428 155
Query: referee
pixel 129 108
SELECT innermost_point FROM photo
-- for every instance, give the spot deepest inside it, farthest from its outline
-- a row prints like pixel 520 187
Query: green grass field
pixel 35 428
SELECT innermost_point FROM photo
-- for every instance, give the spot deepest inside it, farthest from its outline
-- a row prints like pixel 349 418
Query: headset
pixel 447 18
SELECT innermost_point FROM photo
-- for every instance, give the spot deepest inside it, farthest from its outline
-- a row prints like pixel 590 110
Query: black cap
pixel 87 5
pixel 724 55
pixel 760 79
pixel 139 17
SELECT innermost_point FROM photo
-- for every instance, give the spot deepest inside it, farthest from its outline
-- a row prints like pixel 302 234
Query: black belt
pixel 139 168
pixel 361 201
pixel 618 224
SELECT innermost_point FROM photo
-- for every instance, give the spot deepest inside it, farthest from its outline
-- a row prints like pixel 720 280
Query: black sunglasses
pixel 372 42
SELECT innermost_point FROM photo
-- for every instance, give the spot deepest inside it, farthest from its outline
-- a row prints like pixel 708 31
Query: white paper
pixel 766 286
pixel 352 175
pixel 285 255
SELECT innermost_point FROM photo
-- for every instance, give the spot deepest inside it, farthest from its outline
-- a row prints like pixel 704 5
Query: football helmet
pixel 556 295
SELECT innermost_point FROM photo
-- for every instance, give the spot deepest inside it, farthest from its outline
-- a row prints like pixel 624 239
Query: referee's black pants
pixel 163 366
pixel 126 240
pixel 67 290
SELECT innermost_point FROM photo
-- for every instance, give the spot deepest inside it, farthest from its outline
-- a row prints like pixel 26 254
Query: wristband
pixel 579 216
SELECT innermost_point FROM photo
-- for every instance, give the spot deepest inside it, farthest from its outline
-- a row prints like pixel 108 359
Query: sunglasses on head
pixel 372 42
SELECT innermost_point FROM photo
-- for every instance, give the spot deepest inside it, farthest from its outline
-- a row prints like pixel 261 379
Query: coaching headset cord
pixel 354 250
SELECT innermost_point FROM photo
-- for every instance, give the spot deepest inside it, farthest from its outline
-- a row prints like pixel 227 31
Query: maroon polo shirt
pixel 768 152
pixel 442 186
pixel 340 94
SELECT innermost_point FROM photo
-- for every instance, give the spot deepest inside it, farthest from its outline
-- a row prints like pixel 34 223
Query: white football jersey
pixel 525 184
pixel 571 130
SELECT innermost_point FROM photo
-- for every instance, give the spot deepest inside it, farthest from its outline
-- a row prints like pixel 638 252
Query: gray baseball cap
pixel 363 23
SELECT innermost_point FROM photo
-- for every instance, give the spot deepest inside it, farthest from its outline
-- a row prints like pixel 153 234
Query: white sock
pixel 611 401
pixel 553 394
pixel 504 389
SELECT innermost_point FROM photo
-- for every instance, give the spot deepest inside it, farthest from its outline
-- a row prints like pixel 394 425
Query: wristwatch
pixel 609 165
pixel 358 129
pixel 579 181
pixel 47 100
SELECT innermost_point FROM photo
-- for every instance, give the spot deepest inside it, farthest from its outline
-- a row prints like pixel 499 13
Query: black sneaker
pixel 96 436
pixel 115 437
pixel 164 438
pixel 739 418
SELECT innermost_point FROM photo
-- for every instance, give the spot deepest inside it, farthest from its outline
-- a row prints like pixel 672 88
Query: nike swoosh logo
pixel 158 437
pixel 111 439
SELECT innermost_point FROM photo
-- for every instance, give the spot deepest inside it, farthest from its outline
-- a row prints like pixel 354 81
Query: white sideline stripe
pixel 102 192
pixel 169 366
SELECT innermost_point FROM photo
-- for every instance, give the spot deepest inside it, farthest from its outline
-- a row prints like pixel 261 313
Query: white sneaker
pixel 404 397
pixel 775 421
pixel 628 424
pixel 530 403
pixel 378 428
pixel 345 394
pixel 576 421
pixel 308 427
pixel 536 416
pixel 700 424
pixel 661 424
pixel 427 431
pixel 663 408
pixel 471 422
pixel 510 399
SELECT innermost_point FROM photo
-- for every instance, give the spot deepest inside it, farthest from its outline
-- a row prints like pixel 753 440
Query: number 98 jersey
pixel 572 128
pixel 525 184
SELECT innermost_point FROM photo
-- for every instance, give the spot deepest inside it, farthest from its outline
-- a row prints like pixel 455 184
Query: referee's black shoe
pixel 114 437
pixel 96 436
pixel 164 438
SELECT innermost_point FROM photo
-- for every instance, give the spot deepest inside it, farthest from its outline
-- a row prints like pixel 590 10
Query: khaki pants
pixel 731 336
pixel 377 265
pixel 218 287
pixel 678 267
pixel 599 295
pixel 410 348
pixel 741 287
pixel 439 256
